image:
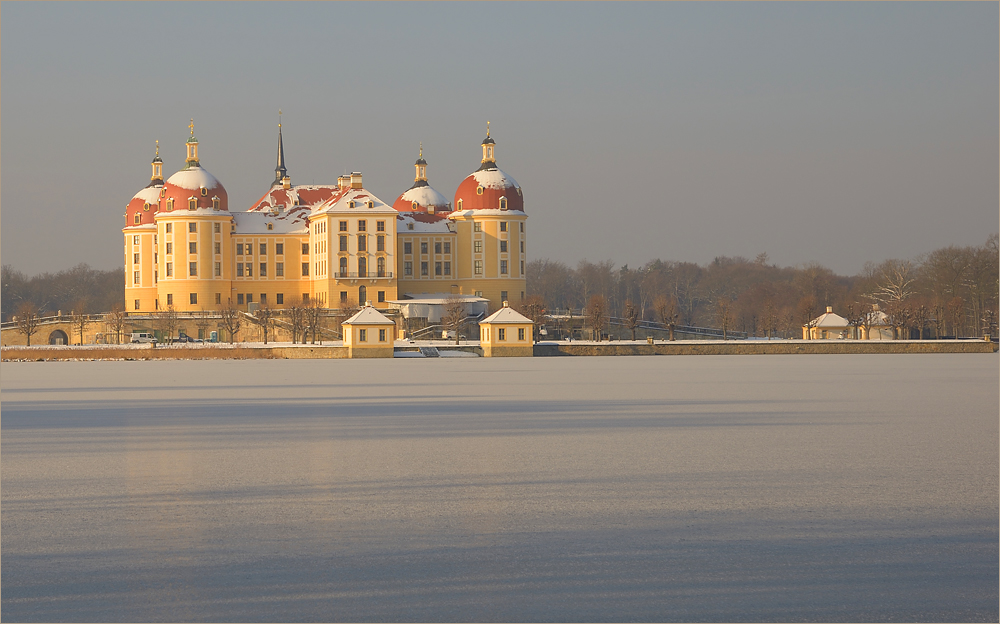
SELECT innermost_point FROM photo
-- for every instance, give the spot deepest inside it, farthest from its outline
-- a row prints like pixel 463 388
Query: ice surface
pixel 708 488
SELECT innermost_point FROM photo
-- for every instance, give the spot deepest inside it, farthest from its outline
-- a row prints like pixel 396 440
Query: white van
pixel 142 337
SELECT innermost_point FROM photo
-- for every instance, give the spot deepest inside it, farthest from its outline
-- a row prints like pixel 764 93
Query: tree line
pixel 951 291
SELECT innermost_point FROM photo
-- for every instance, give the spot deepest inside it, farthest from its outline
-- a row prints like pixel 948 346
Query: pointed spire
pixel 157 178
pixel 489 147
pixel 421 166
pixel 192 149
pixel 280 172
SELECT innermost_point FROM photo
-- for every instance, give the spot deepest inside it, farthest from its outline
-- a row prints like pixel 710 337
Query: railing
pixel 364 274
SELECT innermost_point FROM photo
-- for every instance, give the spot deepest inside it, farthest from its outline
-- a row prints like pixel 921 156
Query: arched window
pixel 460 204
pixel 503 203
pixel 216 203
pixel 192 203
pixel 350 204
pixel 362 267
pixel 170 204
pixel 362 295
pixel 380 263
pixel 343 267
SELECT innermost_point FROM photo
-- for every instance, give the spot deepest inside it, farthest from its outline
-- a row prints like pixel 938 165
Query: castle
pixel 325 245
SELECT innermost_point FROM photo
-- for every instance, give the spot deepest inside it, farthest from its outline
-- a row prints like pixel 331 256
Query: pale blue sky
pixel 827 132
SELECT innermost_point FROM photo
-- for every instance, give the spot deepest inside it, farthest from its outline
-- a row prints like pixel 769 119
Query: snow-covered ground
pixel 716 488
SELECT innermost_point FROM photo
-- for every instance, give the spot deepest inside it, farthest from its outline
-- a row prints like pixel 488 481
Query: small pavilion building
pixel 827 326
pixel 506 333
pixel 369 334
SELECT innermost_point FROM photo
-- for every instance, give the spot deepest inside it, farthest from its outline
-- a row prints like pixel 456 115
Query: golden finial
pixel 279 117
pixel 487 129
pixel 157 147
pixel 191 125
pixel 421 149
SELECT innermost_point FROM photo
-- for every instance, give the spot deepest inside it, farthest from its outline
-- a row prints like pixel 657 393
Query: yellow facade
pixel 506 333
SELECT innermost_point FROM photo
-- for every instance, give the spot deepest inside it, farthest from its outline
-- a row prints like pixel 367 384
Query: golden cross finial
pixel 157 147
pixel 191 125
pixel 487 129
pixel 421 149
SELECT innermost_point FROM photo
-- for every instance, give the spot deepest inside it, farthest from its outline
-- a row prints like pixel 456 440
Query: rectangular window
pixel 447 268
pixel 503 246
pixel 502 334
pixel 135 278
pixel 407 268
pixel 279 249
pixel 305 250
pixel 305 269
pixel 305 297
pixel 170 299
pixel 407 248
pixel 477 246
pixel 362 242
pixel 249 269
pixel 362 335
pixel 437 248
pixel 343 226
pixel 218 248
pixel 503 226
pixel 239 298
pixel 135 258
pixel 478 267
pixel 280 298
pixel 193 248
pixel 170 228
pixel 194 298
pixel 522 267
pixel 249 297
pixel 218 298
pixel 380 226
pixel 192 227
pixel 381 335
pixel 218 269
pixel 343 243
pixel 477 227
pixel 135 239
pixel 137 219
pixel 520 334
pixel 263 269
pixel 249 249
pixel 239 269
pixel 423 268
pixel 136 304
pixel 362 226
pixel 239 249
pixel 522 246
pixel 503 267
pixel 193 269
pixel 343 295
pixel 263 249
pixel 522 227
pixel 447 248
pixel 170 248
pixel 438 268
pixel 170 269
pixel 217 228
pixel 263 298
pixel 423 248
pixel 279 269
pixel 381 296
pixel 380 243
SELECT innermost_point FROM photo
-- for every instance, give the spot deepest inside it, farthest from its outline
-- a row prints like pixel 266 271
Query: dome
pixel 425 198
pixel 145 203
pixel 193 183
pixel 482 190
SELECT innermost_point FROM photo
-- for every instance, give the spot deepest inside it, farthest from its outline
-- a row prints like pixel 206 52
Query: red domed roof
pixel 421 197
pixel 193 183
pixel 145 203
pixel 483 189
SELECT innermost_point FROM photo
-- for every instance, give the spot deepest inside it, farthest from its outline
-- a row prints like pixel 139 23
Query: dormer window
pixel 145 206
pixel 204 192
pixel 479 190
pixel 503 203
pixel 350 204
pixel 430 209
pixel 192 203
pixel 460 204
pixel 371 204
pixel 216 203
pixel 414 205
pixel 170 204
pixel 270 226
pixel 163 192
pixel 409 226
pixel 519 191
pixel 138 218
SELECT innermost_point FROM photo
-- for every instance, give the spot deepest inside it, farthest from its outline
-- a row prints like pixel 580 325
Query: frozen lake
pixel 720 488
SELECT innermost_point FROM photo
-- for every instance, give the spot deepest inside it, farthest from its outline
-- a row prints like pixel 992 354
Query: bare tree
pixel 78 317
pixel 724 315
pixel 265 318
pixel 807 311
pixel 770 317
pixel 597 315
pixel 27 319
pixel 454 315
pixel 232 319
pixel 297 319
pixel 631 317
pixel 313 319
pixel 167 322
pixel 668 313
pixel 990 321
pixel 116 320
pixel 534 308
pixel 894 281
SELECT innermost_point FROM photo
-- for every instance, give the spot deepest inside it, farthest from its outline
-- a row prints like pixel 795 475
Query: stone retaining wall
pixel 766 348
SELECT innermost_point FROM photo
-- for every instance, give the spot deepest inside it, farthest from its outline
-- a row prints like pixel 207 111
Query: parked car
pixel 142 337
pixel 186 338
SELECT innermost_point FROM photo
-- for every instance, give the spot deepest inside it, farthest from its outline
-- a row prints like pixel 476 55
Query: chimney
pixel 343 182
pixel 829 309
pixel 286 183
pixel 356 180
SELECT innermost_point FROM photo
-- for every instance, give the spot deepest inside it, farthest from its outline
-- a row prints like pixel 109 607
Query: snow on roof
pixel 193 179
pixel 487 212
pixel 288 222
pixel 829 319
pixel 149 194
pixel 300 195
pixel 368 316
pixel 506 314
pixel 494 178
pixel 360 197
pixel 425 196
pixel 423 222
